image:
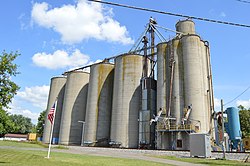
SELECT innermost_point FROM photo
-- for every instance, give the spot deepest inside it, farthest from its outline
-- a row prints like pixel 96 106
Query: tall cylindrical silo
pixel 57 88
pixel 161 76
pixel 174 79
pixel 126 101
pixel 194 81
pixel 99 105
pixel 74 108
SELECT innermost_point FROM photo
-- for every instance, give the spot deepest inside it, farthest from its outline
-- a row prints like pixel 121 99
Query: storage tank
pixel 161 76
pixel 195 86
pixel 74 108
pixel 233 126
pixel 99 105
pixel 126 101
pixel 57 88
pixel 183 83
pixel 185 26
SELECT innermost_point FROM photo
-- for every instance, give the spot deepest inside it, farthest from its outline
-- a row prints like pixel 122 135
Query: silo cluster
pixel 184 90
pixel 114 103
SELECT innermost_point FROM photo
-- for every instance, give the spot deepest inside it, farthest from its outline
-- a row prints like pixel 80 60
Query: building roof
pixel 16 135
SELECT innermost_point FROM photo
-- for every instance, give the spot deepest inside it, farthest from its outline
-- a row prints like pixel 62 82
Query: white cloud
pixel 244 103
pixel 16 108
pixel 36 95
pixel 80 22
pixel 60 59
pixel 217 104
pixel 222 14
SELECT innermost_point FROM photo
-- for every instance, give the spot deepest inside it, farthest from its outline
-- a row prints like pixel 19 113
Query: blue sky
pixel 55 36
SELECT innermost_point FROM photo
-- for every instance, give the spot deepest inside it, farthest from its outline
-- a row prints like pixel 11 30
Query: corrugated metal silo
pixel 126 101
pixel 74 108
pixel 57 88
pixel 99 106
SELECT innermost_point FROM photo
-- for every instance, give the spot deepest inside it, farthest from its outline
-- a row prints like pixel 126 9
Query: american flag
pixel 51 113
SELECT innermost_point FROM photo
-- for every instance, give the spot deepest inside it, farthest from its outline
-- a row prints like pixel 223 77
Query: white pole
pixel 83 124
pixel 51 131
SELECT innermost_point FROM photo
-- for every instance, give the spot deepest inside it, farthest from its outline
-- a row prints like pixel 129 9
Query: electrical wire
pixel 237 96
pixel 243 1
pixel 172 14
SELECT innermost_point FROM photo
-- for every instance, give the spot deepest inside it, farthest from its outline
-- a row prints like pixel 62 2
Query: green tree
pixel 244 121
pixel 40 123
pixel 8 88
pixel 8 69
pixel 22 125
pixel 6 125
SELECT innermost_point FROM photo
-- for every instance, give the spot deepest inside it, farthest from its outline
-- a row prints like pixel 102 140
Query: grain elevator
pixel 150 98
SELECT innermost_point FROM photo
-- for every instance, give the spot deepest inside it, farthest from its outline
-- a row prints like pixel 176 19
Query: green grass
pixel 23 144
pixel 60 147
pixel 32 144
pixel 12 157
pixel 205 161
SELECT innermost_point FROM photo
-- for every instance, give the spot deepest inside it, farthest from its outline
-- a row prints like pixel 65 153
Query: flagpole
pixel 51 131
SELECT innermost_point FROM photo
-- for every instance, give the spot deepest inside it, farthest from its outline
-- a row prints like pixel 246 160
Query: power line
pixel 172 14
pixel 243 1
pixel 237 96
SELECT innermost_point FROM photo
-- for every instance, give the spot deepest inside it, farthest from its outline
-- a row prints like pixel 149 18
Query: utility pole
pixel 223 138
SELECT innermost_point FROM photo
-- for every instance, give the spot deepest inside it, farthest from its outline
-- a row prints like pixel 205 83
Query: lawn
pixel 18 157
pixel 23 144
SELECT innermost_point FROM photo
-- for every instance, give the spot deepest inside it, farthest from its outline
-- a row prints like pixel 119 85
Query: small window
pixel 179 143
pixel 246 143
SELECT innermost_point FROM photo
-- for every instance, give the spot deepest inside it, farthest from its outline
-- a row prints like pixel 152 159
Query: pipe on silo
pixel 74 108
pixel 57 88
pixel 126 101
pixel 99 105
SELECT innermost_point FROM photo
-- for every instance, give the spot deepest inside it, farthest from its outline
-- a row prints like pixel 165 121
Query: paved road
pixel 111 152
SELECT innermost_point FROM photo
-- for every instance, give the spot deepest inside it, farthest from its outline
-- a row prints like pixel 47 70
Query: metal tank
pixel 126 101
pixel 99 105
pixel 233 127
pixel 147 112
pixel 74 108
pixel 57 88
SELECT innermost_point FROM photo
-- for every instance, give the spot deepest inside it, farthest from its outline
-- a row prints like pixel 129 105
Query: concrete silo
pixel 74 108
pixel 186 91
pixel 57 88
pixel 99 106
pixel 126 101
